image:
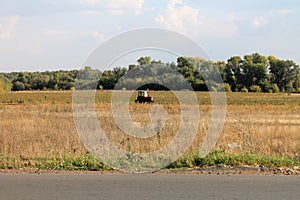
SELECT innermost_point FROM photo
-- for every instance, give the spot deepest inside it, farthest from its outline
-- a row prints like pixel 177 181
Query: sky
pixel 40 35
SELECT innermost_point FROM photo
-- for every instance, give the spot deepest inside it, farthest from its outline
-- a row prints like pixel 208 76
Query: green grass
pixel 88 162
pixel 160 97
pixel 62 162
pixel 219 158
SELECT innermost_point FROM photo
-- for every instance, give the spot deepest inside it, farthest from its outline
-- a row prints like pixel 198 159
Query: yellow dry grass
pixel 46 128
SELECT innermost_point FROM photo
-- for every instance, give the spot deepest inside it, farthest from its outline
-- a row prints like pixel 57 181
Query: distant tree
pixel 249 73
pixel 87 73
pixel 285 73
pixel 108 79
pixel 232 72
pixel 131 66
pixel 86 78
pixel 172 65
pixel 144 60
pixel 18 86
pixel 157 62
pixel 118 72
pixel 253 70
pixel 186 67
pixel 65 82
pixel 221 65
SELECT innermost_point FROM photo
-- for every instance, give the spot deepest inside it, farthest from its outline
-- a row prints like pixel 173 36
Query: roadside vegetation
pixel 88 162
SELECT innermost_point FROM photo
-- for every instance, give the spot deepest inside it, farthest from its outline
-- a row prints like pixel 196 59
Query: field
pixel 38 130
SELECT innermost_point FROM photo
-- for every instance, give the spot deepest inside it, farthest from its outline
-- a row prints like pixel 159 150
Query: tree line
pixel 254 73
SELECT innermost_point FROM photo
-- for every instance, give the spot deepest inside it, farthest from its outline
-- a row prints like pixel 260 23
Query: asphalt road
pixel 147 186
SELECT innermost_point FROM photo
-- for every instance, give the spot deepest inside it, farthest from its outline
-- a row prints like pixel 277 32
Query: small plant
pixel 244 89
pixel 275 88
pixel 227 87
pixel 255 88
pixel 213 89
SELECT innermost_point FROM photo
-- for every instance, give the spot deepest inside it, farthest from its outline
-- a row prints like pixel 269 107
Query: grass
pixel 161 97
pixel 53 162
pixel 88 162
pixel 38 131
pixel 219 158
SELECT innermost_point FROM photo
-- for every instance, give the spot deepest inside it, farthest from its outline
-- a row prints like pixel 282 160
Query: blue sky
pixel 38 35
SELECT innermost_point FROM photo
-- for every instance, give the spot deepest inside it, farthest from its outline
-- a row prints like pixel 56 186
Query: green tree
pixel 18 86
pixel 284 73
pixel 186 67
pixel 144 60
pixel 232 72
pixel 118 72
pixel 221 65
pixel 108 79
pixel 131 66
pixel 254 70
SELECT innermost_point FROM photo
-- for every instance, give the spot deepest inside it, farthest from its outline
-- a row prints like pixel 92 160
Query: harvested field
pixel 40 124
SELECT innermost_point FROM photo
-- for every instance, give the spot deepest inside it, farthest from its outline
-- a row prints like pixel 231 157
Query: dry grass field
pixel 40 124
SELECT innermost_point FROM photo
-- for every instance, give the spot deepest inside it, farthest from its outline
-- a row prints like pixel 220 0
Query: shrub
pixel 5 84
pixel 275 88
pixel 255 88
pixel 213 89
pixel 227 87
pixel 244 89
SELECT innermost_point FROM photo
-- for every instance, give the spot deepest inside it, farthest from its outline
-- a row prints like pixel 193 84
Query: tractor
pixel 143 97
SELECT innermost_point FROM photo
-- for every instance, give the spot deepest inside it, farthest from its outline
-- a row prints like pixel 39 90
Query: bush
pixel 275 88
pixel 255 88
pixel 244 89
pixel 227 87
pixel 5 84
pixel 213 89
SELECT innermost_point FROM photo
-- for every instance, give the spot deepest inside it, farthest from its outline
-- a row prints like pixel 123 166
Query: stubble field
pixel 37 128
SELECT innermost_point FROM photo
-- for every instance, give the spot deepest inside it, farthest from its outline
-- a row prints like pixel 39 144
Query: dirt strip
pixel 203 170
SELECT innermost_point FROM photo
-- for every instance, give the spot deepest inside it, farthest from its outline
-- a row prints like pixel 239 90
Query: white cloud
pixel 90 12
pixel 187 19
pixel 178 16
pixel 284 11
pixel 259 22
pixel 89 2
pixel 98 35
pixel 174 2
pixel 281 12
pixel 57 35
pixel 117 7
pixel 233 17
pixel 7 26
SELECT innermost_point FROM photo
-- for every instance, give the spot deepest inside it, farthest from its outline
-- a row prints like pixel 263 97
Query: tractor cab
pixel 143 97
pixel 142 93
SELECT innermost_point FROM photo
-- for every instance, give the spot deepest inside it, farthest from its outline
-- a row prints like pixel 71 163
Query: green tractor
pixel 143 97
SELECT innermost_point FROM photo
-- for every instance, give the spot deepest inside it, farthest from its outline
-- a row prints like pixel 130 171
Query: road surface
pixel 147 186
